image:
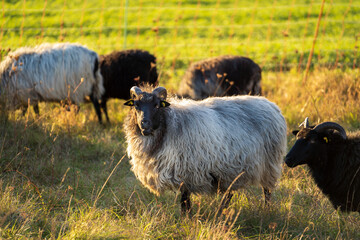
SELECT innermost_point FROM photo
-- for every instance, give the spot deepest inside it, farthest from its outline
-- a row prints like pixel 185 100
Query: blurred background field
pixel 63 176
pixel 277 34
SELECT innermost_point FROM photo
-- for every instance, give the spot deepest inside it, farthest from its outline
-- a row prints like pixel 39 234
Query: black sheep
pixel 220 76
pixel 123 69
pixel 334 161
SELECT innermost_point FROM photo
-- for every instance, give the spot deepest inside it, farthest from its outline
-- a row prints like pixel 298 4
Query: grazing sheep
pixel 333 158
pixel 203 146
pixel 220 76
pixel 51 72
pixel 123 69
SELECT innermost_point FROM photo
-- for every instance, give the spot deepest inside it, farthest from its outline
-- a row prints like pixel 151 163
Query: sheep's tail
pixel 98 89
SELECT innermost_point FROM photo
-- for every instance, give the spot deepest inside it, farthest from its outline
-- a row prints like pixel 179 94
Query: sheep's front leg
pixel 185 201
pixel 267 195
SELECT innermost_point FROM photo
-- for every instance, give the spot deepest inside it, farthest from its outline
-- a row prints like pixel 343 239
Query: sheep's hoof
pixel 186 213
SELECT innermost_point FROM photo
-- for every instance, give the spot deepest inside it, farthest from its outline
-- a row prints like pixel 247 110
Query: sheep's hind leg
pixel 185 201
pixel 36 109
pixel 24 110
pixel 225 201
pixel 97 107
pixel 103 106
pixel 267 195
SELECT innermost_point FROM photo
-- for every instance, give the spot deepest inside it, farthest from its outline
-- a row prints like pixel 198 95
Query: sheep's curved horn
pixel 305 124
pixel 330 125
pixel 135 92
pixel 160 92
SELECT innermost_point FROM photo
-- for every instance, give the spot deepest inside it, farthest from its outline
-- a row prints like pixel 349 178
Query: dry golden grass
pixel 328 95
pixel 56 177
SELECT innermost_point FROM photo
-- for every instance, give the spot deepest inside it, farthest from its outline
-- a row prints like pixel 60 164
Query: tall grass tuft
pixel 328 95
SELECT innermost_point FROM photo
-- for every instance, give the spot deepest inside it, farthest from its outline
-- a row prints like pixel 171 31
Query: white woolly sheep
pixel 221 76
pixel 203 146
pixel 51 72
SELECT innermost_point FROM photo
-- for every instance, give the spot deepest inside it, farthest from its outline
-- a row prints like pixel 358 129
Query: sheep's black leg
pixel 103 106
pixel 224 203
pixel 227 200
pixel 97 107
pixel 185 201
pixel 267 195
pixel 24 109
pixel 36 109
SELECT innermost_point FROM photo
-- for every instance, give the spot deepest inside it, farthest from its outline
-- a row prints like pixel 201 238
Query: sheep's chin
pixel 146 132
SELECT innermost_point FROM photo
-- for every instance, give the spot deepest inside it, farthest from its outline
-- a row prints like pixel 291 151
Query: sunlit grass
pixel 328 95
pixel 64 176
pixel 54 166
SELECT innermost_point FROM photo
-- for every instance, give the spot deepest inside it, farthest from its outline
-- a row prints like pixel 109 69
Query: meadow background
pixel 63 176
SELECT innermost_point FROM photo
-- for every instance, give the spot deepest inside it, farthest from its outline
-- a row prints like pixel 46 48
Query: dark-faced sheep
pixel 123 69
pixel 50 72
pixel 221 76
pixel 333 158
pixel 203 146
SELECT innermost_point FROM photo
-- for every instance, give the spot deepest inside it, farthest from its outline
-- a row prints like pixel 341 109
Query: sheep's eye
pixel 313 140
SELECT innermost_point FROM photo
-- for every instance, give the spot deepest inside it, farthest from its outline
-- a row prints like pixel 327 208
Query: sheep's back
pixel 51 72
pixel 124 69
pixel 220 76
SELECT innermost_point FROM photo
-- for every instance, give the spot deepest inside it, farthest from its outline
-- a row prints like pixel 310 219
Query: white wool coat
pixel 207 144
pixel 50 72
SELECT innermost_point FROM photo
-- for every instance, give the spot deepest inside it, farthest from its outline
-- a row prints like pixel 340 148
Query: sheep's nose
pixel 145 124
pixel 289 161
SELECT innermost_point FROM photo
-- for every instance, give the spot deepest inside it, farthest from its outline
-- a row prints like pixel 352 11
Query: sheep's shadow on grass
pixel 75 161
pixel 300 210
pixel 292 213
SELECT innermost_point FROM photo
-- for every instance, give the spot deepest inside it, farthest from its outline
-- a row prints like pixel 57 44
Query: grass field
pixel 278 34
pixel 63 176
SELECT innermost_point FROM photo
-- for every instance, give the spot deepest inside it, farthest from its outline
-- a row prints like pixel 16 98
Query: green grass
pixel 63 176
pixel 275 33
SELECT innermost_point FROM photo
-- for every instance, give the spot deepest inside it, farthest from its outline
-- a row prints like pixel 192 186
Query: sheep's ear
pixel 295 132
pixel 164 104
pixel 129 103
